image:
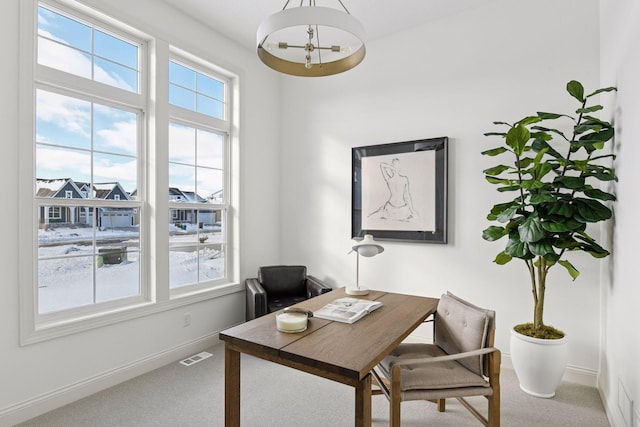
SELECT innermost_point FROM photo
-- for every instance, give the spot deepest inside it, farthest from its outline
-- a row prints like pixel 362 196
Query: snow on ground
pixel 67 262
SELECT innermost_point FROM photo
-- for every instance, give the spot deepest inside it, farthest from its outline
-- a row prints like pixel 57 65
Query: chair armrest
pixel 316 287
pixel 456 356
pixel 256 296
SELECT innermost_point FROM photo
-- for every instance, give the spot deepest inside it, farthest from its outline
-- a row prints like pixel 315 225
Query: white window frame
pixel 152 180
pixel 207 123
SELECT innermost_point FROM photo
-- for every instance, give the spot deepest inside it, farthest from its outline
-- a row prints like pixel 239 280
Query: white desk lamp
pixel 366 247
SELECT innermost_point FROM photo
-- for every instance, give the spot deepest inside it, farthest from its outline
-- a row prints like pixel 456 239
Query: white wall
pixel 448 78
pixel 620 370
pixel 453 78
pixel 44 375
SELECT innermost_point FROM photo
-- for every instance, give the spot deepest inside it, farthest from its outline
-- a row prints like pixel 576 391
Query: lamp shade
pixel 368 247
pixel 340 31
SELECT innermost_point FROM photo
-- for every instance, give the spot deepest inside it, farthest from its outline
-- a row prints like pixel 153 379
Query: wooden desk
pixel 334 350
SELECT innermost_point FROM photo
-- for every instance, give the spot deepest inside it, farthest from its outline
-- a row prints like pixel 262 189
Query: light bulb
pixel 367 250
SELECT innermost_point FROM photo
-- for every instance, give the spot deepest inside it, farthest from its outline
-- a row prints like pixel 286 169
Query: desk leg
pixel 363 402
pixel 231 387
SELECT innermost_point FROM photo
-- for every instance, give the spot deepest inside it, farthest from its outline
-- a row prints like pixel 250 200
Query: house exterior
pixel 66 188
pixel 63 188
pixel 188 215
pixel 110 217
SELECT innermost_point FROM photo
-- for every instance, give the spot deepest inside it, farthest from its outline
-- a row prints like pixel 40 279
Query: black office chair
pixel 279 286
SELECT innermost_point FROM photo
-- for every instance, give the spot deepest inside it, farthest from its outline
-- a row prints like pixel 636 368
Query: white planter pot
pixel 539 364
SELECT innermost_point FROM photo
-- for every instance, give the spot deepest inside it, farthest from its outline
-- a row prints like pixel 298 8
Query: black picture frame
pixel 418 170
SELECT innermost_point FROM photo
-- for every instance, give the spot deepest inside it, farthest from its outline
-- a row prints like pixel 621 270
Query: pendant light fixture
pixel 310 40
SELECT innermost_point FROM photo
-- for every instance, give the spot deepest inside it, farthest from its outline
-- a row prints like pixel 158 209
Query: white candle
pixel 291 322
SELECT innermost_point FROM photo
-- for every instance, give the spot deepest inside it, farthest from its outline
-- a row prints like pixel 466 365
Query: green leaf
pixel 509 188
pixel 600 195
pixel 507 214
pixel 540 144
pixel 525 162
pixel 602 176
pixel 494 180
pixel 570 182
pixel 604 89
pixel 496 170
pixel 541 248
pixel 543 169
pixel 495 134
pixel 502 123
pixel 590 245
pixel 536 199
pixel 555 227
pixel 502 258
pixel 531 229
pixel 545 129
pixel 551 116
pixel 589 109
pixel 528 120
pixel 517 248
pixel 576 90
pixel 517 139
pixel 493 233
pixel 584 127
pixel 599 254
pixel 591 210
pixel 570 268
pixel 600 136
pixel 561 208
pixel 496 209
pixel 593 137
pixel 494 151
pixel 532 184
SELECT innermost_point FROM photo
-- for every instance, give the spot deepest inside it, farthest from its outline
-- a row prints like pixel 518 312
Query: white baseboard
pixel 46 402
pixel 612 411
pixel 573 374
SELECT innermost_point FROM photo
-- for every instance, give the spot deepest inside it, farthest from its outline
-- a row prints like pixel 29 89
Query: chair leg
pixel 395 399
pixel 441 404
pixel 493 416
pixel 394 415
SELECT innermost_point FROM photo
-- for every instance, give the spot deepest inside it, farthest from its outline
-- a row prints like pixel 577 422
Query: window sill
pixel 58 327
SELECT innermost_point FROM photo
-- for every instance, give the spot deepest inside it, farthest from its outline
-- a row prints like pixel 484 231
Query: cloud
pixel 70 114
pixel 53 163
pixel 55 53
pixel 121 137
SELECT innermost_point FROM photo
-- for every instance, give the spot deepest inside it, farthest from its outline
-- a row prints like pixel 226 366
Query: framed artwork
pixel 399 191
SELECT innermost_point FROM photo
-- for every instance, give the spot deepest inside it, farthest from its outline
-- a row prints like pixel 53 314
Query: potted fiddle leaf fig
pixel 551 178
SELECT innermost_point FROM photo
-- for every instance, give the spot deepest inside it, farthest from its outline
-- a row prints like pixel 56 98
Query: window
pixel 196 91
pixel 87 260
pixel 83 142
pixel 197 175
pixel 69 45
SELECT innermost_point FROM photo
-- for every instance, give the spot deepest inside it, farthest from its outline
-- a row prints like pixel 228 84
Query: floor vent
pixel 196 358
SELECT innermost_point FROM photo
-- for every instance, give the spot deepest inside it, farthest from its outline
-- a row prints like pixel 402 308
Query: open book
pixel 347 310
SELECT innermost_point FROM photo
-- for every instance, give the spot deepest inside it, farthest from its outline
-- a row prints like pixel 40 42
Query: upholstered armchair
pixel 461 362
pixel 279 286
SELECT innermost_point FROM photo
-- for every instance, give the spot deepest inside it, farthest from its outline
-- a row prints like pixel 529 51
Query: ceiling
pixel 239 19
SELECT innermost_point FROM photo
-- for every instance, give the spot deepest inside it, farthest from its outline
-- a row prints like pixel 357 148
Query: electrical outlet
pixel 186 321
pixel 625 405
